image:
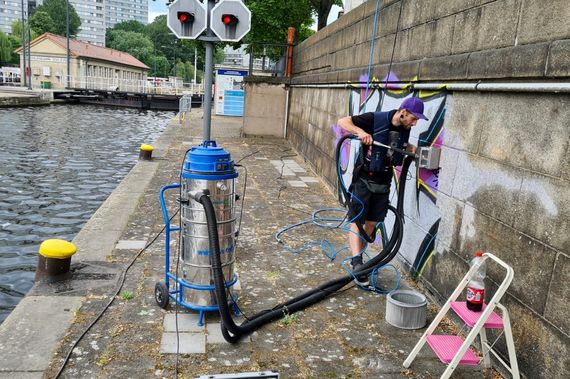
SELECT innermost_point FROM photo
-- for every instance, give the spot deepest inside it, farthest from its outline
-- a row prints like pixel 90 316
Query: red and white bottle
pixel 476 286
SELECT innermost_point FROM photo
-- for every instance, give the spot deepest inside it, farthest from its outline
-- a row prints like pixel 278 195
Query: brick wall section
pixel 505 171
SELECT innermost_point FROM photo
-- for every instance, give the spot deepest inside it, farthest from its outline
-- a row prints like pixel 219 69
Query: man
pixel 372 176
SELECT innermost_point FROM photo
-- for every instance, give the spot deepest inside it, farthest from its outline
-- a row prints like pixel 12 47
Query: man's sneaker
pixel 361 280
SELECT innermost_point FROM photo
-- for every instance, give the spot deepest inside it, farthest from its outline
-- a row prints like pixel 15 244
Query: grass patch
pixel 289 319
pixel 126 295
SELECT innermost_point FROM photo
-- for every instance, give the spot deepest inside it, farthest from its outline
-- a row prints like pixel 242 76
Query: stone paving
pixel 344 336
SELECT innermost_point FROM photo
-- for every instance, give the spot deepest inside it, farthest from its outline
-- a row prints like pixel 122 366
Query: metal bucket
pixel 406 309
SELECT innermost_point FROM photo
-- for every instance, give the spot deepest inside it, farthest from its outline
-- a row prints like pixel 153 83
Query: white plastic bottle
pixel 476 286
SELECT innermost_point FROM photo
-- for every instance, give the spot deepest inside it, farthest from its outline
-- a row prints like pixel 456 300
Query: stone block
pixel 453 67
pixel 462 126
pixel 531 261
pixel 543 210
pixel 510 62
pixel 406 71
pixel 451 212
pixel 388 21
pixel 490 26
pixel 415 12
pixel 448 168
pixel 444 271
pixel 488 186
pixel 559 59
pixel 523 128
pixel 559 297
pixel 542 350
pixel 432 39
pixel 443 8
pixel 540 21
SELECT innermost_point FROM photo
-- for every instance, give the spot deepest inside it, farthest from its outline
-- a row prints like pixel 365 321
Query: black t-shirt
pixel 365 122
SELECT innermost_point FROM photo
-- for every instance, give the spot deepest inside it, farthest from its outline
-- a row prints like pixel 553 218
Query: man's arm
pixel 347 125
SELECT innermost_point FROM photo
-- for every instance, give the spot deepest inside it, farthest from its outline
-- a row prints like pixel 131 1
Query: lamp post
pixel 24 49
pixel 29 49
pixel 67 36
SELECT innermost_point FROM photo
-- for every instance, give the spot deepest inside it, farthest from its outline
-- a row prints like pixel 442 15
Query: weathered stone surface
pixel 525 114
pixel 559 297
pixel 490 26
pixel 462 129
pixel 448 234
pixel 264 106
pixel 452 67
pixel 532 261
pixel 543 210
pixel 538 341
pixel 489 187
pixel 559 59
pixel 541 21
pixel 430 39
pixel 415 12
pixel 510 62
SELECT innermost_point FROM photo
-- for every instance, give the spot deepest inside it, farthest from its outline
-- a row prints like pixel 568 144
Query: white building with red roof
pixel 91 66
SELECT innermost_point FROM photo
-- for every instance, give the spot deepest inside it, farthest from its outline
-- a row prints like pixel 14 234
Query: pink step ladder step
pixel 445 347
pixel 470 318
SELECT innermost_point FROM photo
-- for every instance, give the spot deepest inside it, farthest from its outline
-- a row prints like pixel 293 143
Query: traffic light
pixel 229 19
pixel 185 17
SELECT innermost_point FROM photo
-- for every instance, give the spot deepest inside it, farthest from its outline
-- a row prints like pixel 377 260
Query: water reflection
pixel 57 165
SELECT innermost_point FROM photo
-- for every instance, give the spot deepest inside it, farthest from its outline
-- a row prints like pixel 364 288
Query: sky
pixel 158 7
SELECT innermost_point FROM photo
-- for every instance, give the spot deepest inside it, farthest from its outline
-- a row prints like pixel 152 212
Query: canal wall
pixel 22 97
pixel 504 175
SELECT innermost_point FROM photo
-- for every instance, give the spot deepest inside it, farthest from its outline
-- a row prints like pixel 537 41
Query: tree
pixel 42 22
pixel 322 8
pixel 270 19
pixel 5 48
pixel 130 26
pixel 56 9
pixel 136 44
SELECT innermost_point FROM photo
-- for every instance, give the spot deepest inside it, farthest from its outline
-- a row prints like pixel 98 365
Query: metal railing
pixel 166 86
pixel 267 59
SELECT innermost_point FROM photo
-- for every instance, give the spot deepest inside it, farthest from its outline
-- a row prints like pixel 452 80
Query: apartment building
pixel 99 15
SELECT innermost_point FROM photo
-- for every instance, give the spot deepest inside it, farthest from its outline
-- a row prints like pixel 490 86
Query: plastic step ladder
pixel 453 350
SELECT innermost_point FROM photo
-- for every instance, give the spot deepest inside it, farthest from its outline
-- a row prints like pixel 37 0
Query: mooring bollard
pixel 145 153
pixel 54 260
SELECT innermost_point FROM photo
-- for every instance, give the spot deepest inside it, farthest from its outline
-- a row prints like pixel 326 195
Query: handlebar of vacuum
pixel 401 151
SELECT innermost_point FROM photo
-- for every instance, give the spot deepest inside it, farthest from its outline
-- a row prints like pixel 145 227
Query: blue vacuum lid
pixel 209 162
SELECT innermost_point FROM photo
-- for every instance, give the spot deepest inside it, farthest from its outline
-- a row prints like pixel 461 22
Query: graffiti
pixel 421 209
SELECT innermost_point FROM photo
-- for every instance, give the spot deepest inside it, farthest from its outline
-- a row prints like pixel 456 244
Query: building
pixel 96 15
pixel 10 11
pixel 124 10
pixel 91 66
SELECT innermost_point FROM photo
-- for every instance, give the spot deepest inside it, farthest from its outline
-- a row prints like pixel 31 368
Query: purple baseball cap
pixel 415 106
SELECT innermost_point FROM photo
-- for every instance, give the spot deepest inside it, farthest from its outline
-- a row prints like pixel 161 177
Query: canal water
pixel 57 166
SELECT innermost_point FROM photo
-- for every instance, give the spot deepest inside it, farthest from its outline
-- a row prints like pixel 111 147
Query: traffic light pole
pixel 208 78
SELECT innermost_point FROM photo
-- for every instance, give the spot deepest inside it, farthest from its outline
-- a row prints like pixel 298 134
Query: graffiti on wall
pixel 421 207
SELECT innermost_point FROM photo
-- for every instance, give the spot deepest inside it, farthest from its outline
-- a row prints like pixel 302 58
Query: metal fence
pixel 267 59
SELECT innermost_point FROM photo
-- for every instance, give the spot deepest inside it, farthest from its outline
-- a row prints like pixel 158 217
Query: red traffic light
pixel 229 19
pixel 185 17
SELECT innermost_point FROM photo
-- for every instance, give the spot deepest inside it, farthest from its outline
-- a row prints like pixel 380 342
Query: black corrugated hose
pixel 233 332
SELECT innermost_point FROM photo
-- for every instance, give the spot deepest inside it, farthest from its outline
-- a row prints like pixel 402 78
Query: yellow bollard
pixel 54 260
pixel 145 152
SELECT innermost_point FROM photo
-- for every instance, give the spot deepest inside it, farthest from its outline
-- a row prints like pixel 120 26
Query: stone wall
pixel 503 180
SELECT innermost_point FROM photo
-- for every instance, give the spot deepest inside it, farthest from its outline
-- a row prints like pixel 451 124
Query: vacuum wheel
pixel 161 295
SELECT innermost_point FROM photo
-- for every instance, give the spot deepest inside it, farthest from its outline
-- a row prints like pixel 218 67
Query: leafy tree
pixel 56 9
pixel 270 19
pixel 136 44
pixel 5 48
pixel 130 26
pixel 323 8
pixel 42 22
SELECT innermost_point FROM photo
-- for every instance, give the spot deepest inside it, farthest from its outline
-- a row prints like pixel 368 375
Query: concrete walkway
pixel 344 336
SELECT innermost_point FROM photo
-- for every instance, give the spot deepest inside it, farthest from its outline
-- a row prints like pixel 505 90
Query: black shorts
pixel 374 200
